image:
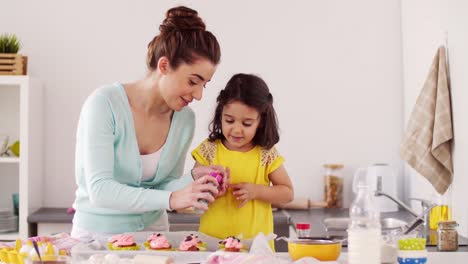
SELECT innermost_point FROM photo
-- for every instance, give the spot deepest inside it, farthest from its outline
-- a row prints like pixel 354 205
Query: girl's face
pixel 179 87
pixel 239 124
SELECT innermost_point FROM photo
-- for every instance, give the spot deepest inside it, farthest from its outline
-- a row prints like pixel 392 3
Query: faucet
pixel 422 218
pixel 379 192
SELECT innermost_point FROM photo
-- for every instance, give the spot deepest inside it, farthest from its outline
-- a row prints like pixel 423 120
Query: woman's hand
pixel 200 171
pixel 244 192
pixel 205 187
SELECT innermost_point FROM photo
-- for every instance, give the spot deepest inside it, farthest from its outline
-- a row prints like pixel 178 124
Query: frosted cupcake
pixel 232 244
pixel 158 242
pixel 192 243
pixel 122 242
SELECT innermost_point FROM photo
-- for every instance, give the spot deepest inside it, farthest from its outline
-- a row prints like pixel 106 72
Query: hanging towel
pixel 427 141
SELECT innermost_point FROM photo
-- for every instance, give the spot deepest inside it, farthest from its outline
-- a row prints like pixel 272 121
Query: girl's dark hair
pixel 182 38
pixel 253 92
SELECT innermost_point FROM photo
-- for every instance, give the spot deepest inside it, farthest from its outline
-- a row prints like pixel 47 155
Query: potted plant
pixel 11 62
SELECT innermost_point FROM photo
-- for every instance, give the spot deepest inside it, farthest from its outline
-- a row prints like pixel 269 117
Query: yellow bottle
pixel 441 212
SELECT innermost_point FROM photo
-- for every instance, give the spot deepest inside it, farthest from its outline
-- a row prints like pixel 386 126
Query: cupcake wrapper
pixel 200 249
pixel 112 247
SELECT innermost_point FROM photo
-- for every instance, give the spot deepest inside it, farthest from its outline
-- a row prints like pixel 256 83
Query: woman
pixel 133 138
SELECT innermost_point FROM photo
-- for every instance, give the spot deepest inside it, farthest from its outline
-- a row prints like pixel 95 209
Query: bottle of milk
pixel 364 231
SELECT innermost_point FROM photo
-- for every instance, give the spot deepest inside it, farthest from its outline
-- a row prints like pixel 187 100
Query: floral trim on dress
pixel 208 150
pixel 268 156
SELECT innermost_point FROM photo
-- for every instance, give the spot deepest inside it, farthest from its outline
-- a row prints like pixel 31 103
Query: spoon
pixel 37 250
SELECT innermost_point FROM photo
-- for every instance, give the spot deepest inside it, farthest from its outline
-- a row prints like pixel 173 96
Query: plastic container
pixel 333 185
pixel 364 231
pixel 447 236
pixel 303 230
pixel 412 256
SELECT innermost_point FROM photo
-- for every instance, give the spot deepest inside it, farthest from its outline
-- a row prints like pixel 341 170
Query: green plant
pixel 5 150
pixel 9 43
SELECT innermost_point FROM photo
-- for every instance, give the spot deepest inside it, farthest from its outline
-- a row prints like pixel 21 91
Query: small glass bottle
pixel 442 210
pixel 447 236
pixel 333 187
pixel 303 230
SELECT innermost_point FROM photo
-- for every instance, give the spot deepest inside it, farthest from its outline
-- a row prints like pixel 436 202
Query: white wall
pixel 423 27
pixel 426 25
pixel 457 43
pixel 334 68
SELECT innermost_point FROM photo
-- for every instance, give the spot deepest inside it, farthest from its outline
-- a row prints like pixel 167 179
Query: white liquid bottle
pixel 364 231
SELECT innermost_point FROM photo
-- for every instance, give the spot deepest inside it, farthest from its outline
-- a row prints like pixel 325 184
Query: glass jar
pixel 447 236
pixel 333 185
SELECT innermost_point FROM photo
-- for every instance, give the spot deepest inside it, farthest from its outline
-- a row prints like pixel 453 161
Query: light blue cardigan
pixel 111 197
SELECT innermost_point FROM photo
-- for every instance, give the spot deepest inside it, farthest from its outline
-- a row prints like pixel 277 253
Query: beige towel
pixel 427 141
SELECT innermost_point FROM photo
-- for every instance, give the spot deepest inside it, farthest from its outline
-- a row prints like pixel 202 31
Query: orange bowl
pixel 320 248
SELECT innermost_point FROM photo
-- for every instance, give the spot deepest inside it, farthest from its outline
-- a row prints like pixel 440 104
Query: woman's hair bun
pixel 181 19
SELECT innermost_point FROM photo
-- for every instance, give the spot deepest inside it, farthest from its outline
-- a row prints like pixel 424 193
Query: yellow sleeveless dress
pixel 223 217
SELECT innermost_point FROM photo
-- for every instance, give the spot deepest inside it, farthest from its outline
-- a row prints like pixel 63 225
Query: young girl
pixel 243 134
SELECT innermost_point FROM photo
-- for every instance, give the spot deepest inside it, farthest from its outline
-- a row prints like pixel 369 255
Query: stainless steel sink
pixel 341 223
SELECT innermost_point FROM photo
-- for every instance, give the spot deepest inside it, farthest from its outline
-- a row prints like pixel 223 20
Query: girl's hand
pixel 200 171
pixel 244 192
pixel 189 195
pixel 226 180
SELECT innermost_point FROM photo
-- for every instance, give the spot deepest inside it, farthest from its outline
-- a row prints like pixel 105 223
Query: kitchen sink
pixel 341 223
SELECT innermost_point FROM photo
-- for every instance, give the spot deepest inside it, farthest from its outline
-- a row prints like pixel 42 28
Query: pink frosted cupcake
pixel 191 243
pixel 157 242
pixel 122 242
pixel 231 243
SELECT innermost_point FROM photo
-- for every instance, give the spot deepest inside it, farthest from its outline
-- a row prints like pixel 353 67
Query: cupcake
pixel 157 242
pixel 191 243
pixel 122 242
pixel 231 243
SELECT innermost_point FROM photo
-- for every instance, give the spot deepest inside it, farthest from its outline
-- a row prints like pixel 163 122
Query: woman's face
pixel 180 86
pixel 239 124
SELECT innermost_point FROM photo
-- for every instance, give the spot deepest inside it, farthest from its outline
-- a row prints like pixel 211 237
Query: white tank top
pixel 150 163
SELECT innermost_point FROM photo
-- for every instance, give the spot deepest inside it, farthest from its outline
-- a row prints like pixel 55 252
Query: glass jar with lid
pixel 447 236
pixel 333 185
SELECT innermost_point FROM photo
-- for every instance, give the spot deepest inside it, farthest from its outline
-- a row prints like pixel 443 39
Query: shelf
pixel 13 79
pixel 9 236
pixel 9 160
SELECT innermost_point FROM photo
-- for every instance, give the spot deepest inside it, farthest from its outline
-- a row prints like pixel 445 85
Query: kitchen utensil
pixel 416 222
pixel 323 249
pixel 37 250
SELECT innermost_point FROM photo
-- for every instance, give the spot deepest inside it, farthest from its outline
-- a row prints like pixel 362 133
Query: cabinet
pixel 21 118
